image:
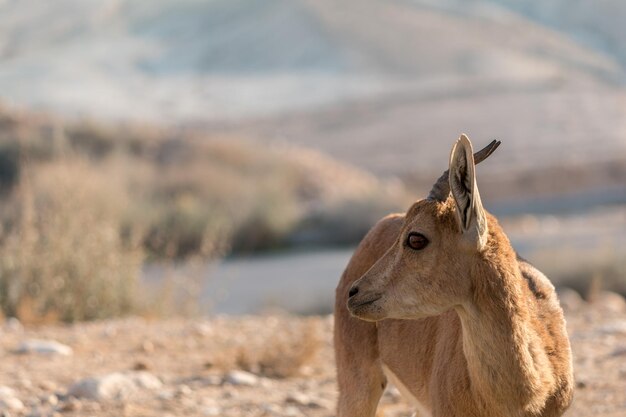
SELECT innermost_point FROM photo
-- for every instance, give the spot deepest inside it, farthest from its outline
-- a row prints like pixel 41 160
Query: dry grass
pixel 283 355
pixel 191 192
pixel 62 254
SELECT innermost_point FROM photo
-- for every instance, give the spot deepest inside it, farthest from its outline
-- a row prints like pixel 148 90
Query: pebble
pixel 291 412
pixel 47 385
pixel 211 411
pixel 145 380
pixel 114 386
pixel 8 400
pixel 71 404
pixel 613 328
pixel 203 329
pixel 141 366
pixel 211 380
pixel 147 346
pixel 242 378
pixel 570 299
pixel 50 399
pixel 44 347
pixel 183 390
pixel 297 398
pixel 304 400
pixel 165 395
pixel 13 325
pixel 610 302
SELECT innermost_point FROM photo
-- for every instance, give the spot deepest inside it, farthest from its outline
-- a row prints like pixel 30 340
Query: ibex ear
pixel 470 213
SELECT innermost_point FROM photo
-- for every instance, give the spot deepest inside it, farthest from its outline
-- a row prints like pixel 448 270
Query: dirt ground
pixel 187 367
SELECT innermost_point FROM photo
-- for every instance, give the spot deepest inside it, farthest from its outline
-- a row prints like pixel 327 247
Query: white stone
pixel 184 390
pixel 145 380
pixel 114 385
pixel 610 302
pixel 13 325
pixel 211 411
pixel 241 378
pixel 211 380
pixel 44 347
pixel 165 395
pixel 298 398
pixel 613 328
pixel 8 400
pixel 292 412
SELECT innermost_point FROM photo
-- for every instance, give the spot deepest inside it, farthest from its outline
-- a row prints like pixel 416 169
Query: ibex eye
pixel 416 241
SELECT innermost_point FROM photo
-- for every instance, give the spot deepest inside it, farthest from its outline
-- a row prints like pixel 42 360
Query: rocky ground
pixel 270 365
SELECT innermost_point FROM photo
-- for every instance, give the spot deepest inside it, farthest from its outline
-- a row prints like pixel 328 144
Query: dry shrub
pixel 63 256
pixel 290 347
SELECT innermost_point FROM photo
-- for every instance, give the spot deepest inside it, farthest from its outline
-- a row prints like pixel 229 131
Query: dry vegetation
pixel 85 204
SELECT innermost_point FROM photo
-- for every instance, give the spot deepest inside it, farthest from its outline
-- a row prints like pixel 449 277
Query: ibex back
pixel 437 301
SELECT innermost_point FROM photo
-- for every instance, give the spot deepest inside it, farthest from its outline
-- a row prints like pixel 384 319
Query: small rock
pixel 44 347
pixel 210 380
pixel 114 386
pixel 241 378
pixel 211 411
pixel 13 325
pixel 570 300
pixel 147 346
pixel 141 366
pixel 47 385
pixel 301 399
pixel 50 399
pixel 72 404
pixel 183 390
pixel 610 302
pixel 165 395
pixel 11 404
pixel 613 328
pixel 145 380
pixel 203 329
pixel 292 412
pixel 107 387
pixel 9 401
pixel 297 398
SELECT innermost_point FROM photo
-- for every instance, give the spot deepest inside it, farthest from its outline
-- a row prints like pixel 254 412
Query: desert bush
pixel 290 348
pixel 62 253
pixel 189 188
pixel 84 204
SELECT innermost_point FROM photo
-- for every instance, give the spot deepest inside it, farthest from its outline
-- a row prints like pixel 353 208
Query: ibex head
pixel 423 272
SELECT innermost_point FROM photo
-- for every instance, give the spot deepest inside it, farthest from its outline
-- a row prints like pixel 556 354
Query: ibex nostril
pixel 353 291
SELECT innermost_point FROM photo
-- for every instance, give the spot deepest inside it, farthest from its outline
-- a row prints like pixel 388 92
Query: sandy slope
pixel 191 359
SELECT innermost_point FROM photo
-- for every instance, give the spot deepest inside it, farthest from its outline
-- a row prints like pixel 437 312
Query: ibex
pixel 437 301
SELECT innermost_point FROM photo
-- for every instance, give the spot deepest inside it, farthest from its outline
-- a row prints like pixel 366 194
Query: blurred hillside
pixel 377 84
pixel 177 189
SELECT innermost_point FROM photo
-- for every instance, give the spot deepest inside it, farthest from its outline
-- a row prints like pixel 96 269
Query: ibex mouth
pixel 352 304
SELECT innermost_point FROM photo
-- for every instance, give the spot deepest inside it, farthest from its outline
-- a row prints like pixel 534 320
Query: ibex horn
pixel 441 189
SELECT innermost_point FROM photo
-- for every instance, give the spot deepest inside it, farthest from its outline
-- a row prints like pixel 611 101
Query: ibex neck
pixel 505 357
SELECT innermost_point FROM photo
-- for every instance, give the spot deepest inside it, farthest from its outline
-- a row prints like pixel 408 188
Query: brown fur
pixel 469 332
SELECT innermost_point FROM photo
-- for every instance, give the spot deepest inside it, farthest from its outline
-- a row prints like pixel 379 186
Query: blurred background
pixel 166 157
